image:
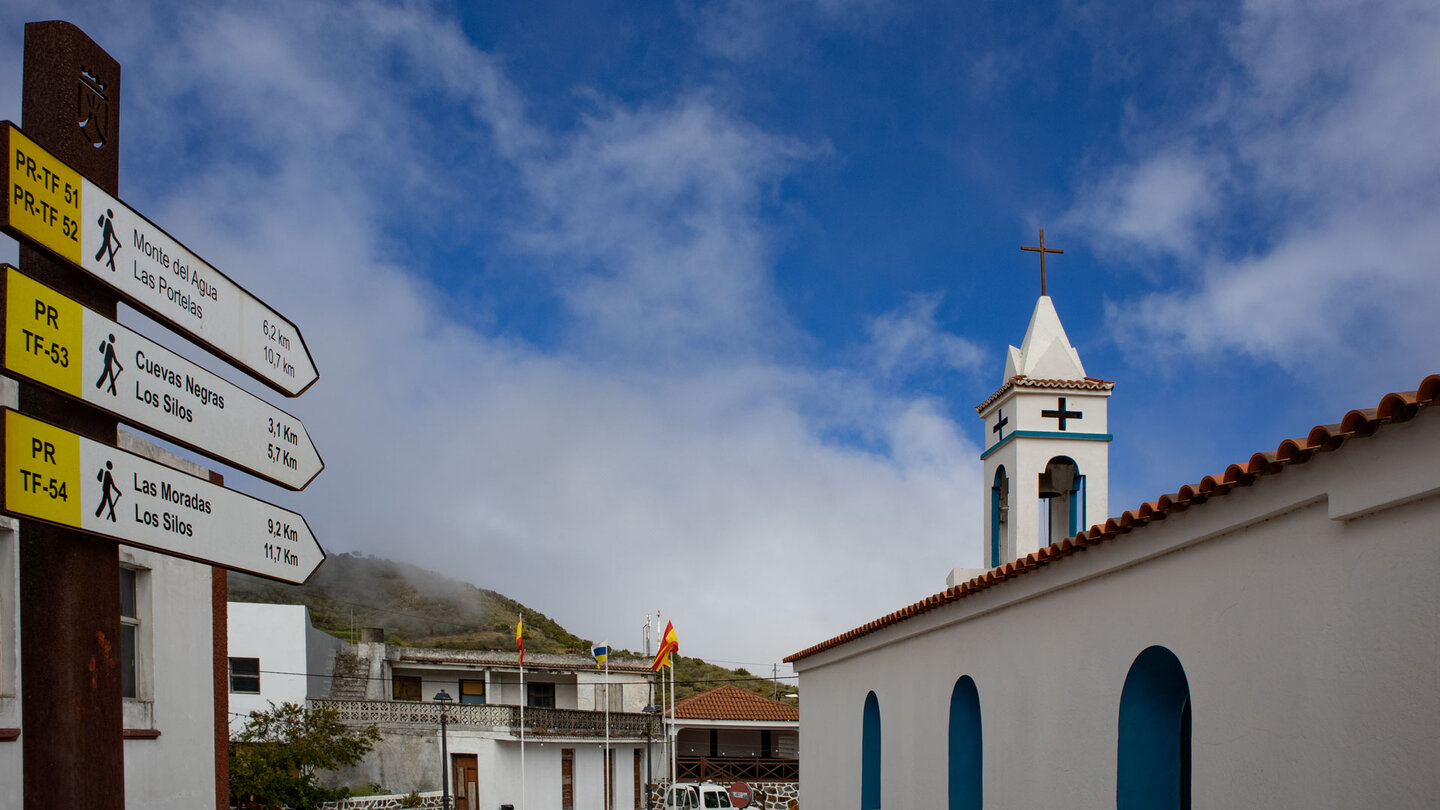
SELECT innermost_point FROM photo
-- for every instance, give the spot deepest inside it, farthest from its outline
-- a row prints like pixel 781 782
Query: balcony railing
pixel 728 769
pixel 548 722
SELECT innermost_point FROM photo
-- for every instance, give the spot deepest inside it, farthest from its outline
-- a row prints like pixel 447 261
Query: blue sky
pixel 624 306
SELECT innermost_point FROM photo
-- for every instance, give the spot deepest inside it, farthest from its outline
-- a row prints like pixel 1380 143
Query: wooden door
pixel 567 779
pixel 465 778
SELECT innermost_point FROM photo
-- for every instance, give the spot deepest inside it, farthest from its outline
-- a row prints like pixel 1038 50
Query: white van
pixel 697 796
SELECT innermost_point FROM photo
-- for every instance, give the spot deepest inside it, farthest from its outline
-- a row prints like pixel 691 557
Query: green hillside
pixel 421 608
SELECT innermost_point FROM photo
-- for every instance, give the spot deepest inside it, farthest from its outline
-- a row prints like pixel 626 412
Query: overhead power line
pixel 613 681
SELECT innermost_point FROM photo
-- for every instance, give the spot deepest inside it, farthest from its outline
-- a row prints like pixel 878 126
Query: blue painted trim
pixel 995 504
pixel 1047 434
pixel 1153 749
pixel 870 750
pixel 966 755
pixel 1077 505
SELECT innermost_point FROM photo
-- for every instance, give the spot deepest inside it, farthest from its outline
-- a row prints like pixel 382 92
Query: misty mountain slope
pixel 415 606
pixel 423 608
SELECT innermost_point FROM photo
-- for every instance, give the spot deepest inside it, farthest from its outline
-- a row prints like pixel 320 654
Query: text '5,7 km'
pixel 63 478
pixel 55 208
pixel 55 341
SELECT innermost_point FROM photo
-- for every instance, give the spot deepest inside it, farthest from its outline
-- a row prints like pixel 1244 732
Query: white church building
pixel 1266 637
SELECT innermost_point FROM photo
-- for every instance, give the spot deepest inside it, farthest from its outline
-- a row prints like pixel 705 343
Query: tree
pixel 273 762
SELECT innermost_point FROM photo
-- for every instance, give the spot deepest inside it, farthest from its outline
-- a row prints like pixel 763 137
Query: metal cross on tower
pixel 1042 250
pixel 1061 413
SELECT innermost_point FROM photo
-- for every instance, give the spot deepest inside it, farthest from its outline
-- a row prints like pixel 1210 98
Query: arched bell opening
pixel 999 516
pixel 1062 500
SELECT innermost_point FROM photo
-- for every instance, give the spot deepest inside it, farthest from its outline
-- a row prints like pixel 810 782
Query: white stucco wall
pixel 542 775
pixel 12 761
pixel 176 684
pixel 1309 643
pixel 177 769
pixel 278 635
pixel 409 759
pixel 631 690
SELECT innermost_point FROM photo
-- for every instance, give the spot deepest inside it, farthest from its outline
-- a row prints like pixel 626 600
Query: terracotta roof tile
pixel 1021 381
pixel 726 702
pixel 1394 407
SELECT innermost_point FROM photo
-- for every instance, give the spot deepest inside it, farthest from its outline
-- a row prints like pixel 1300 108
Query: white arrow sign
pixel 51 205
pixel 60 477
pixel 53 340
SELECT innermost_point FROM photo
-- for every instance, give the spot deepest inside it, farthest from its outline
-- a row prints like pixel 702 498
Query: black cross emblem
pixel 1061 414
pixel 1000 423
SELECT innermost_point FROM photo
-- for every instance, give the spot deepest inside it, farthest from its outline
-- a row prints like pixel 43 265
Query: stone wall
pixel 766 795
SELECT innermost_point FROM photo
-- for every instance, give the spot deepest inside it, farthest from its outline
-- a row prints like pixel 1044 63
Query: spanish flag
pixel 520 637
pixel 668 644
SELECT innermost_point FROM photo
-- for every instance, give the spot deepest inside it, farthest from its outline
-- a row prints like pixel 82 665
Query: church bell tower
pixel 1046 442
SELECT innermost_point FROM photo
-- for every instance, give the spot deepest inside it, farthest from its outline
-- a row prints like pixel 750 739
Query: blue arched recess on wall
pixel 870 755
pixel 966 752
pixel 1153 766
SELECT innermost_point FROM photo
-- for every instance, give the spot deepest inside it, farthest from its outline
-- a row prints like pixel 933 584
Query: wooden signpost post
pixel 76 494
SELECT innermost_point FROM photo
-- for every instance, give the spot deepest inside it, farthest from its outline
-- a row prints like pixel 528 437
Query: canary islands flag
pixel 601 653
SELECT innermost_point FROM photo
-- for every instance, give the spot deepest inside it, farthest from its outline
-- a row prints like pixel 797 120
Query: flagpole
pixel 522 732
pixel 520 643
pixel 673 769
pixel 609 766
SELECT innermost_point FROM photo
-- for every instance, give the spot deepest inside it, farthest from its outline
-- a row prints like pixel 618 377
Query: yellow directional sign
pixel 53 340
pixel 57 476
pixel 55 208
pixel 44 331
pixel 42 471
pixel 44 197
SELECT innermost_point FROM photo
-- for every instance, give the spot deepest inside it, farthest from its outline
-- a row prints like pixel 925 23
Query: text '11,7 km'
pixel 60 477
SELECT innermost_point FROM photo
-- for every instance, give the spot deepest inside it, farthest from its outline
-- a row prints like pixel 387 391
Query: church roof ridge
pixel 1392 408
pixel 1021 381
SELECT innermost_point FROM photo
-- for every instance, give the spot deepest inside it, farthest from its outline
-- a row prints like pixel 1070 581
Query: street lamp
pixel 443 698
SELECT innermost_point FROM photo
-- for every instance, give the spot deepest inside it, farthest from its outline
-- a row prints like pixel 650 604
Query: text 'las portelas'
pixel 54 475
pixel 54 207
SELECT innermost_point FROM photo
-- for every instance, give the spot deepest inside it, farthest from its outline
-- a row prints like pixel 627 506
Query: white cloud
pixel 908 340
pixel 1319 152
pixel 1159 205
pixel 589 481
pixel 663 203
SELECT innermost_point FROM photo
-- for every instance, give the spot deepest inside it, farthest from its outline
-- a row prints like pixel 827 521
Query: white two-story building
pixel 558 716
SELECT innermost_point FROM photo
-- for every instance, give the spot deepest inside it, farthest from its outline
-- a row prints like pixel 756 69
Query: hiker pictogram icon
pixel 111 496
pixel 110 243
pixel 112 365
